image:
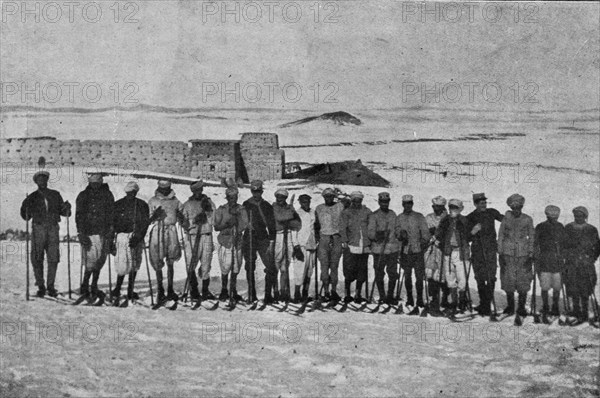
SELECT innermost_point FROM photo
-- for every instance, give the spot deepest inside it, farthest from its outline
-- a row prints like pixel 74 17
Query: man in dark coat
pixel 582 248
pixel 549 261
pixel 260 237
pixel 44 206
pixel 452 237
pixel 484 249
pixel 94 217
pixel 131 224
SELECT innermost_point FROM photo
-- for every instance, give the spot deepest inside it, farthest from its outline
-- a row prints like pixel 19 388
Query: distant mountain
pixel 339 118
pixel 136 108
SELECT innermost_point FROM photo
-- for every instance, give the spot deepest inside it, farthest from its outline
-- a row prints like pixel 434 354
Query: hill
pixel 339 118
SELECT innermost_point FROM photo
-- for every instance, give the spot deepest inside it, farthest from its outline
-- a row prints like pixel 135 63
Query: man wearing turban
pixel 94 217
pixel 515 246
pixel 582 248
pixel 131 222
pixel 165 211
pixel 549 260
pixel 198 216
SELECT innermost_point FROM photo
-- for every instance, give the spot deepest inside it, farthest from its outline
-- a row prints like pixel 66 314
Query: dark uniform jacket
pixel 582 243
pixel 34 206
pixel 548 247
pixel 486 237
pixel 130 212
pixel 444 234
pixel 94 212
pixel 262 224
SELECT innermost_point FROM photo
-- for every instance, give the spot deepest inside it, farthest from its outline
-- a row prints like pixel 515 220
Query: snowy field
pixel 48 349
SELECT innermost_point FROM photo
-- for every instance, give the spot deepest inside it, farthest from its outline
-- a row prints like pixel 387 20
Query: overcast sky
pixel 375 54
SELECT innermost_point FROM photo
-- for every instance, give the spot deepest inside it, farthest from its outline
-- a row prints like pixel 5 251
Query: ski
pixel 316 304
pixel 343 308
pixel 518 320
pixel 80 300
pixel 284 308
pixel 58 299
pixel 230 305
pixel 375 310
pixel 140 303
pixel 173 306
pixel 501 317
pixel 332 304
pixel 547 320
pixel 197 305
pixel 99 302
pixel 415 311
pixel 302 308
pixel 399 309
pixel 463 317
pixel 387 309
pixel 159 304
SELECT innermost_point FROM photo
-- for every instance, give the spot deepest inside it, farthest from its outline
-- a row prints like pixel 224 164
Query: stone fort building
pixel 254 156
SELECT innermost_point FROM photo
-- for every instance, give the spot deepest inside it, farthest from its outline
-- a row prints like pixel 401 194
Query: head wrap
pixel 40 174
pixel 132 186
pixel 439 201
pixel 96 177
pixel 552 211
pixel 231 191
pixel 328 192
pixel 515 200
pixel 582 210
pixel 357 195
pixel 456 202
pixel 282 192
pixel 197 186
pixel 164 184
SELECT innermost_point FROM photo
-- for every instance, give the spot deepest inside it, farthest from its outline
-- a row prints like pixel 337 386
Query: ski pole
pixel 316 275
pixel 400 284
pixel 133 251
pixel 27 249
pixel 233 256
pixel 185 259
pixel 401 280
pixel 250 267
pixel 109 275
pixel 467 290
pixel 536 317
pixel 426 309
pixel 286 288
pixel 69 256
pixel 148 272
pixel 565 301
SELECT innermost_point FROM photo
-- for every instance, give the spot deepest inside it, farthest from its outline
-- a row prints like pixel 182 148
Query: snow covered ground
pixel 49 349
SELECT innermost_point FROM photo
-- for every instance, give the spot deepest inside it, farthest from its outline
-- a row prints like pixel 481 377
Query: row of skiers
pixel 440 248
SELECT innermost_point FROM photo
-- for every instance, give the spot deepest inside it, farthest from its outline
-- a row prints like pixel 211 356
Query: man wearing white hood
pixel 165 210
